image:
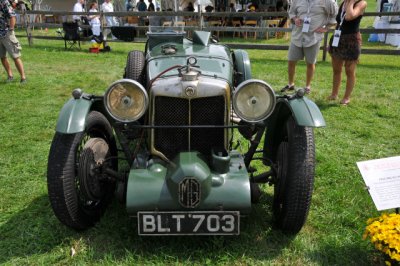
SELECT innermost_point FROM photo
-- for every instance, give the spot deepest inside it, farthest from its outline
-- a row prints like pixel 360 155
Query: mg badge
pixel 189 193
pixel 190 91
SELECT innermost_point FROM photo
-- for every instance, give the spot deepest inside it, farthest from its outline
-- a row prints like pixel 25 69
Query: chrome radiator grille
pixel 170 111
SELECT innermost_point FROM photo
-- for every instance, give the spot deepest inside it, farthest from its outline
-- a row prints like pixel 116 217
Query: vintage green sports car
pixel 164 141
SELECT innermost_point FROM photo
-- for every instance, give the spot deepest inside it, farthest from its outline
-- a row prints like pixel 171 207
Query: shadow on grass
pixel 331 254
pixel 325 104
pixel 31 231
pixel 35 231
pixel 61 48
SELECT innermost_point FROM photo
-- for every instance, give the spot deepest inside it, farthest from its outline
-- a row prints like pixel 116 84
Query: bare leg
pixel 350 67
pixel 291 71
pixel 20 67
pixel 7 66
pixel 310 74
pixel 337 65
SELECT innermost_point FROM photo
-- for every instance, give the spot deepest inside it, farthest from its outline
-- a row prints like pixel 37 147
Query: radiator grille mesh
pixel 170 111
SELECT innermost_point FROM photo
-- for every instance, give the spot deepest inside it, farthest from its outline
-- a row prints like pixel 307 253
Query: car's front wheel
pixel 78 191
pixel 295 167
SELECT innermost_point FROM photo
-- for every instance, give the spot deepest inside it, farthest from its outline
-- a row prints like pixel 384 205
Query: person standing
pixel 94 20
pixel 106 7
pixel 345 47
pixel 311 19
pixel 190 7
pixel 141 6
pixel 151 7
pixel 78 7
pixel 8 42
pixel 129 5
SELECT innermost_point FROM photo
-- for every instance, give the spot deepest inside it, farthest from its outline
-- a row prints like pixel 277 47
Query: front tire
pixel 295 167
pixel 78 193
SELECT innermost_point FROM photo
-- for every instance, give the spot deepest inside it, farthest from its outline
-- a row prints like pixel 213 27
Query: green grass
pixel 30 233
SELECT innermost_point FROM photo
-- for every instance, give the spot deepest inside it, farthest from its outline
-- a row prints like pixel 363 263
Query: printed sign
pixel 382 177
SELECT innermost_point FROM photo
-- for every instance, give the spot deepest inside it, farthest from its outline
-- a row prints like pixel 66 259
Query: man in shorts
pixel 310 19
pixel 8 41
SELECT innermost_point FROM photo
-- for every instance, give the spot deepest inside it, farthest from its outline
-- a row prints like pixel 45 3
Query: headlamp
pixel 254 100
pixel 126 100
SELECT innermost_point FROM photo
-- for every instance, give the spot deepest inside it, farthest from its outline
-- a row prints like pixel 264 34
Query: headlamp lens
pixel 126 100
pixel 254 100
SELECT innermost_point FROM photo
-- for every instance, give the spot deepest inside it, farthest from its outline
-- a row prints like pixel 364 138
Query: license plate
pixel 189 223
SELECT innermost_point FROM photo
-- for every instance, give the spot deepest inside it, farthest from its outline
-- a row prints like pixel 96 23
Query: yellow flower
pixel 395 257
pixel 384 233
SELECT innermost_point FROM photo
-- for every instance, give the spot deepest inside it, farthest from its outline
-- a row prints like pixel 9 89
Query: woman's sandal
pixel 344 102
pixel 332 98
pixel 307 90
pixel 287 88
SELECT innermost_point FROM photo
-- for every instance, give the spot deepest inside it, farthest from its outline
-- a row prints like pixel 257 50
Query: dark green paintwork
pixel 213 60
pixel 156 188
pixel 306 113
pixel 72 117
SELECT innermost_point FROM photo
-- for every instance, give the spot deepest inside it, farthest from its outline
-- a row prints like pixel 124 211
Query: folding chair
pixel 167 24
pixel 192 26
pixel 250 23
pixel 284 23
pixel 71 35
pixel 236 24
pixel 272 23
pixel 180 25
pixel 215 23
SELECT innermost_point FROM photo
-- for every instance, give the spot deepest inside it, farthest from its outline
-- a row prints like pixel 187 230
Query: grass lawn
pixel 31 235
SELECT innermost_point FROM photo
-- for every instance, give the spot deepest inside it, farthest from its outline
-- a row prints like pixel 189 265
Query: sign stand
pixel 382 178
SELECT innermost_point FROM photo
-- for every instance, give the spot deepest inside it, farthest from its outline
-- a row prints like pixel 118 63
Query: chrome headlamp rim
pixel 139 86
pixel 269 110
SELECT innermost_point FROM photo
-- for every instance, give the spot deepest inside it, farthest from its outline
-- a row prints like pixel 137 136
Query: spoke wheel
pixel 91 159
pixel 78 193
pixel 295 167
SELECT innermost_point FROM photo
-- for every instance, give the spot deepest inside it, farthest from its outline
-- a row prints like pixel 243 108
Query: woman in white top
pixel 94 19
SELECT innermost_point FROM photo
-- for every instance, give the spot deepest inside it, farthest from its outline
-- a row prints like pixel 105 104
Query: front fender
pixel 242 66
pixel 306 112
pixel 72 117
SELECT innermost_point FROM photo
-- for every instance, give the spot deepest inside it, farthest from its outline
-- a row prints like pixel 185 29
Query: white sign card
pixel 382 177
pixel 336 37
pixel 306 24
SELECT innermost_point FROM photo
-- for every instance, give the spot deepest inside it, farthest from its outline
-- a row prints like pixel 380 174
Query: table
pixel 382 23
pixel 393 38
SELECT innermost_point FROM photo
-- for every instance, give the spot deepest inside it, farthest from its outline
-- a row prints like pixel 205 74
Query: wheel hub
pixel 92 158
